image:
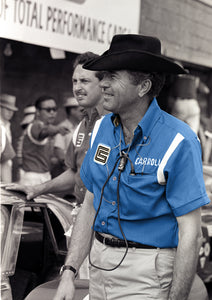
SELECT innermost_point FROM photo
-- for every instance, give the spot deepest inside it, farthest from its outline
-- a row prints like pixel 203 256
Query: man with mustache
pixel 88 93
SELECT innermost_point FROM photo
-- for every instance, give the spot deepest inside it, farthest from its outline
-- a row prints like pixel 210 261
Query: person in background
pixel 87 91
pixel 74 115
pixel 29 116
pixel 37 142
pixel 7 109
pixel 207 157
pixel 7 154
pixel 183 103
pixel 140 220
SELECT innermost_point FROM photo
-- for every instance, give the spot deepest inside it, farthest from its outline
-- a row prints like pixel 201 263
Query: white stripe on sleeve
pixel 160 173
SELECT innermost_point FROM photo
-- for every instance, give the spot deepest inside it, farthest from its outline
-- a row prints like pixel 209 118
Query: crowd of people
pixel 134 170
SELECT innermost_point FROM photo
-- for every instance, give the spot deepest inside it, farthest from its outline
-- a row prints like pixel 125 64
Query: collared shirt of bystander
pixel 78 148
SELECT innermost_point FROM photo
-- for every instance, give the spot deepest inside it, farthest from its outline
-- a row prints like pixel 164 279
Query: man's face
pixel 120 94
pixel 86 87
pixel 48 111
pixel 6 114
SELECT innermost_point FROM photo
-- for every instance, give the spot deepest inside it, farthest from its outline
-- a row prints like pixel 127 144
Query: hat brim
pixel 13 108
pixel 28 119
pixel 134 61
pixel 71 105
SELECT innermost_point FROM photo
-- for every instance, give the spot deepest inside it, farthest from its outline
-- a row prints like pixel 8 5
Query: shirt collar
pixel 150 118
pixel 115 120
pixel 94 113
pixel 147 122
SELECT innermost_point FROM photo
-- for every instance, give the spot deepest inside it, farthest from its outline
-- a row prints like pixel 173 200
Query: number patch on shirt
pixel 80 139
pixel 102 154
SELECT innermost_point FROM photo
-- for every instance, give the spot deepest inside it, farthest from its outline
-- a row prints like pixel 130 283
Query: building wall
pixel 184 27
pixel 185 30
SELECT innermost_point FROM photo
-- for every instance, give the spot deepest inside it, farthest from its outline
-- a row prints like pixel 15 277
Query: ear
pixel 144 87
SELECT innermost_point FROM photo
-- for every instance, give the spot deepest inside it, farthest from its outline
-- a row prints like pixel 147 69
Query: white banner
pixel 71 25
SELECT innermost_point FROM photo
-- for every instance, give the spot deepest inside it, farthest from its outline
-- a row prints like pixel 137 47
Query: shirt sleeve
pixel 36 129
pixel 185 188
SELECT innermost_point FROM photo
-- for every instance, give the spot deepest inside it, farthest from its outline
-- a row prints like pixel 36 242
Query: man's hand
pixel 30 191
pixel 66 288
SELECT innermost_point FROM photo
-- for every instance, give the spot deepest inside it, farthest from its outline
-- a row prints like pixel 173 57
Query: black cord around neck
pixel 119 220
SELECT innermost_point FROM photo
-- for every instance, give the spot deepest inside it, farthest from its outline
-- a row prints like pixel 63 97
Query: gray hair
pixel 157 79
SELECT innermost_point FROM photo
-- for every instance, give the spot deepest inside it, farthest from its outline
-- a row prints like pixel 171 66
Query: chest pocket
pixel 144 182
pixel 142 194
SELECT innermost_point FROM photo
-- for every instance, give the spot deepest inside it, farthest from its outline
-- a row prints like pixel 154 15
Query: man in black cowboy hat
pixel 145 186
pixel 143 173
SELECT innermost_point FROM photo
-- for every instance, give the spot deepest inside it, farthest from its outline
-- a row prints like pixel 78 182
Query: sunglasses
pixel 49 109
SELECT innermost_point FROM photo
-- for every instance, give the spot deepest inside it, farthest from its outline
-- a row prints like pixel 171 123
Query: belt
pixel 115 242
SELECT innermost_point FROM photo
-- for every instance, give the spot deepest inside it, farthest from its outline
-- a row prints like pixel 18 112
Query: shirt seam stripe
pixel 160 173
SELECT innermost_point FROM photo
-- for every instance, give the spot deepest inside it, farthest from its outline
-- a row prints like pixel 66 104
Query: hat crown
pixel 135 42
pixel 29 110
pixel 8 101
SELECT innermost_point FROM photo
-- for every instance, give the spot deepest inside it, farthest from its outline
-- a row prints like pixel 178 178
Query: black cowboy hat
pixel 137 53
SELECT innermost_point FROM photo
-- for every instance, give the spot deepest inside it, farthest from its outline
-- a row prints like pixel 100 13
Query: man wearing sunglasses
pixel 38 142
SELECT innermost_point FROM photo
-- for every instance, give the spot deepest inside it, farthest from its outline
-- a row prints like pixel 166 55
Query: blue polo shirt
pixel 168 181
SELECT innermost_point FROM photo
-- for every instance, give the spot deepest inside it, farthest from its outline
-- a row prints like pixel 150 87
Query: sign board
pixel 71 25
